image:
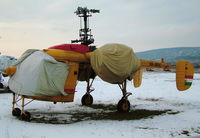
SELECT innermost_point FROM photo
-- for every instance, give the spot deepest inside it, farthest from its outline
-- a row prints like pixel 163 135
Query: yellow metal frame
pixel 67 98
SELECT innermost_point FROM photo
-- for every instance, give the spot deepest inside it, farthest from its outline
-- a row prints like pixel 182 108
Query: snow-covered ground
pixel 157 93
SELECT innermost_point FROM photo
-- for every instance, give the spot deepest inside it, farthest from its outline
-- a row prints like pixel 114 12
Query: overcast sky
pixel 140 24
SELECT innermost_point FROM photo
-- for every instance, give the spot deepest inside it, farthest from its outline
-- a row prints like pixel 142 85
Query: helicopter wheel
pixel 123 106
pixel 25 116
pixel 87 99
pixel 16 112
pixel 1 85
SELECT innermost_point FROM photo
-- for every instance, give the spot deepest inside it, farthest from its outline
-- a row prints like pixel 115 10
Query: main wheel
pixel 25 116
pixel 123 106
pixel 87 99
pixel 16 112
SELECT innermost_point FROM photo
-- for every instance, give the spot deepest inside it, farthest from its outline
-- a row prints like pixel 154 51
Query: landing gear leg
pixel 87 99
pixel 15 111
pixel 124 105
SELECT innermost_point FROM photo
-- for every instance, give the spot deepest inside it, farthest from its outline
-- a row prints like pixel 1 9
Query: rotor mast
pixel 85 35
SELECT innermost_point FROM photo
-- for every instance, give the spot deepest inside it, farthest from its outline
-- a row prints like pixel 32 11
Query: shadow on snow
pixel 96 112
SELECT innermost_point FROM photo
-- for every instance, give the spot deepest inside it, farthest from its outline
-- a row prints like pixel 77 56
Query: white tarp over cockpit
pixel 39 74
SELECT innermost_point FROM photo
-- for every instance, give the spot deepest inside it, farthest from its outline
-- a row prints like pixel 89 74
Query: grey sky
pixel 141 24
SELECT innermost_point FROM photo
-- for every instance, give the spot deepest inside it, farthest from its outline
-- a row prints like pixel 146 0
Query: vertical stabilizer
pixel 184 75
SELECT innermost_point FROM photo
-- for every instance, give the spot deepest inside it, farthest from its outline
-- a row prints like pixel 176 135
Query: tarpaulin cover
pixel 79 48
pixel 39 74
pixel 115 62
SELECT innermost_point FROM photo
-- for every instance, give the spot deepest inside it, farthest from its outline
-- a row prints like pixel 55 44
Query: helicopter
pixel 52 74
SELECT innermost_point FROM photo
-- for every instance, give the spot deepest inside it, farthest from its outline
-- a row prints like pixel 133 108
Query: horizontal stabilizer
pixel 184 75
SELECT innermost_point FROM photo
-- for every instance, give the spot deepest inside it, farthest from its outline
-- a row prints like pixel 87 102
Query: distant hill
pixel 171 55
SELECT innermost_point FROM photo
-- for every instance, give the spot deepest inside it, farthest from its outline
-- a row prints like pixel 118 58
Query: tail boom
pixel 184 72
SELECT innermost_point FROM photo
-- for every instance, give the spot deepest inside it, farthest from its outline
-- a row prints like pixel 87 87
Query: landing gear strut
pixel 124 105
pixel 87 99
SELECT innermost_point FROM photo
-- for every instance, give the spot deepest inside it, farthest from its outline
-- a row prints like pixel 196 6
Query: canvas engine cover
pixel 114 63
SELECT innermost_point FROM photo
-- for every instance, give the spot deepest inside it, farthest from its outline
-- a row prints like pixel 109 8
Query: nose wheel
pixel 16 112
pixel 21 113
pixel 1 85
pixel 25 116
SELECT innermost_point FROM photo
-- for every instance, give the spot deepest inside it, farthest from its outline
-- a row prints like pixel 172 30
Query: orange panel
pixel 63 55
pixel 72 77
pixel 137 80
pixel 10 70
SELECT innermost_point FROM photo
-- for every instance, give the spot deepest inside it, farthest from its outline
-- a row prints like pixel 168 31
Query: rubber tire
pixel 25 116
pixel 123 106
pixel 16 112
pixel 87 99
pixel 1 85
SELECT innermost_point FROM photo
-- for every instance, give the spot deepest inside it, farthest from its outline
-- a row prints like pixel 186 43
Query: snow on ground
pixel 158 92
